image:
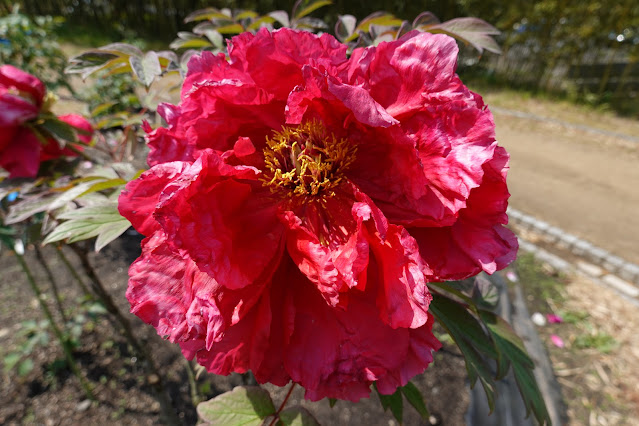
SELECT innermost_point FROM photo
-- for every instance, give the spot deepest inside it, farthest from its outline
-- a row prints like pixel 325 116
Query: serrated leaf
pixel 394 402
pixel 415 398
pixel 310 8
pixel 297 416
pixel 512 349
pixel 244 405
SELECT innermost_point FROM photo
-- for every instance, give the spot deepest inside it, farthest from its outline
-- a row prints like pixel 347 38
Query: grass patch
pixel 543 287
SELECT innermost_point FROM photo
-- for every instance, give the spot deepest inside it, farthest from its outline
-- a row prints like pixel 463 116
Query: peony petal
pixel 185 305
pixel 338 353
pixel 327 243
pixel 140 198
pixel 222 216
pixel 11 76
pixel 477 240
pixel 21 157
pixel 402 73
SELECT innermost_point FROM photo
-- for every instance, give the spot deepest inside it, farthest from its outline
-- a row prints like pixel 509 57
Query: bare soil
pixel 583 182
pixel 597 367
pixel 50 395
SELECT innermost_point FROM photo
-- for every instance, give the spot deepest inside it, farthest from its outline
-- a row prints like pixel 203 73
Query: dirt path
pixel 583 182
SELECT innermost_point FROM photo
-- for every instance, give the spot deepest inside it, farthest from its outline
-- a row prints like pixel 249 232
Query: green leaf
pixel 25 367
pixel 104 221
pixel 230 29
pixel 311 8
pixel 469 336
pixel 456 318
pixel 146 68
pixel 27 207
pixel 394 402
pixel 59 130
pixel 297 416
pixel 485 294
pixel 190 44
pixel 244 405
pixel 105 184
pixel 246 14
pixel 473 31
pixel 103 107
pixel 345 26
pixel 332 402
pixel 110 231
pixel 11 360
pixel 512 349
pixel 205 14
pixel 280 16
pixel 415 398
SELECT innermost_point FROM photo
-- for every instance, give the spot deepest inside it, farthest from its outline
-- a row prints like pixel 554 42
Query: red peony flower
pixel 21 101
pixel 299 202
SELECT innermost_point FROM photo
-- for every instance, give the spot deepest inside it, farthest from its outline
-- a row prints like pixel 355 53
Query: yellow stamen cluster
pixel 306 161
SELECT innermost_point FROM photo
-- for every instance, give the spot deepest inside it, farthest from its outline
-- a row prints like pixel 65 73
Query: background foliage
pixel 587 50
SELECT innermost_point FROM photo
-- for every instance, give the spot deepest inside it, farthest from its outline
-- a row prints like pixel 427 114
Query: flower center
pixel 306 161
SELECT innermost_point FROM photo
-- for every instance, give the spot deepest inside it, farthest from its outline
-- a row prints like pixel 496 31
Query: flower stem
pixel 54 284
pixel 283 404
pixel 56 330
pixel 141 350
pixel 196 398
pixel 74 273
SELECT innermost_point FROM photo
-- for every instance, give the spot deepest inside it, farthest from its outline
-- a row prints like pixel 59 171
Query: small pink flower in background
pixel 21 101
pixel 512 276
pixel 299 201
pixel 554 319
pixel 557 341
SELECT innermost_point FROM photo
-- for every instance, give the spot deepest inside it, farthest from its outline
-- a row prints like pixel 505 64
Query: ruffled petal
pixel 140 197
pixel 185 305
pixel 339 353
pixel 327 242
pixel 402 74
pixel 222 216
pixel 477 240
pixel 11 76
